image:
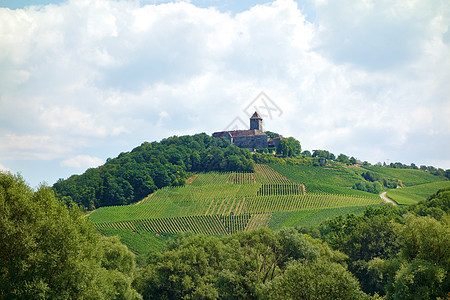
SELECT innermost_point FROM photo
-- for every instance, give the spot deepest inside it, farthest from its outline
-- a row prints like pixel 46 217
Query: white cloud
pixel 378 35
pixel 366 80
pixel 30 147
pixel 82 162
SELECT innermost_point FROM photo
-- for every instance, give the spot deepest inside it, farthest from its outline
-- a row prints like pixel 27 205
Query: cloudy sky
pixel 83 80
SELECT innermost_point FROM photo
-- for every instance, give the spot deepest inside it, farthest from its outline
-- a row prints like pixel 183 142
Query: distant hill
pixel 274 196
pixel 224 203
pixel 205 185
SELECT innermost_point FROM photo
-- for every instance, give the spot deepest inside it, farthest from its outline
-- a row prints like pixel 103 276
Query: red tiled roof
pixel 256 116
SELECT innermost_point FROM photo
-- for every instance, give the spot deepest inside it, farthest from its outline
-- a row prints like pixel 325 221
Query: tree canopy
pixel 243 266
pixel 49 251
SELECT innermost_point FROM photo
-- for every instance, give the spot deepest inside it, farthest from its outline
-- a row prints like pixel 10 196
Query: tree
pixel 50 251
pixel 188 270
pixel 317 280
pixel 343 158
pixel 284 148
pixel 289 147
pixel 271 134
pixel 364 238
pixel 295 146
pixel 436 206
pixel 307 153
pixel 447 173
pixel 323 154
pixel 424 260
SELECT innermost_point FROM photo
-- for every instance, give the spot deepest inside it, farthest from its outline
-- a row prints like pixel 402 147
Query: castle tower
pixel 256 122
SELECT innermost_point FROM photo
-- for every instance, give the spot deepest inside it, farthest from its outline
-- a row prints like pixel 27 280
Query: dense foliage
pixel 134 175
pixel 48 251
pixel 402 253
pixel 289 147
pixel 261 264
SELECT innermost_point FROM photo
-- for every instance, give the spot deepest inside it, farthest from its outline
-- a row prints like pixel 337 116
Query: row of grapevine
pixel 234 224
pixel 227 206
pixel 213 224
pixel 258 221
pixel 281 189
pixel 241 178
pixel 194 193
pixel 265 204
pixel 266 174
pixel 210 178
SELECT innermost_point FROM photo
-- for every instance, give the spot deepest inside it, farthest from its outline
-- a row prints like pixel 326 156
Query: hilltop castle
pixel 251 139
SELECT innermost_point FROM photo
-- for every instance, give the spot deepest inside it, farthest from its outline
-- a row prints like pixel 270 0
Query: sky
pixel 84 80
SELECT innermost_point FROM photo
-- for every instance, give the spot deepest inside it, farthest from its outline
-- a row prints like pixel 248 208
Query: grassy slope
pixel 414 194
pixel 139 242
pixel 334 179
pixel 310 217
pixel 408 177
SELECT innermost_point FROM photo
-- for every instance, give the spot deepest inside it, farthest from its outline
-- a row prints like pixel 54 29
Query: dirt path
pixel 387 199
pixel 190 179
pixel 137 203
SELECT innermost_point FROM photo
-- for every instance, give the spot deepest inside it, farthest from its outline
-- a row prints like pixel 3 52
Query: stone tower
pixel 256 122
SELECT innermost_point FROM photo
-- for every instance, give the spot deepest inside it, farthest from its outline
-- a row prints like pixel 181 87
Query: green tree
pixel 314 280
pixel 50 251
pixel 284 148
pixel 424 260
pixel 343 158
pixel 364 238
pixel 289 147
pixel 436 206
pixel 295 146
pixel 188 271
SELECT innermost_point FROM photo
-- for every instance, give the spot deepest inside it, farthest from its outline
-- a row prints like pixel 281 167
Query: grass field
pixel 414 194
pixel 140 242
pixel 223 203
pixel 274 196
pixel 409 177
pixel 320 179
pixel 310 217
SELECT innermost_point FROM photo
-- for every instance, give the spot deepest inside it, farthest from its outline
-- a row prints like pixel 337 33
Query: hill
pixel 417 193
pixel 224 203
pixel 274 196
pixel 205 185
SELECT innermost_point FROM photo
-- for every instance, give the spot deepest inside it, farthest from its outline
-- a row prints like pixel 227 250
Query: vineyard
pixel 414 194
pixel 223 203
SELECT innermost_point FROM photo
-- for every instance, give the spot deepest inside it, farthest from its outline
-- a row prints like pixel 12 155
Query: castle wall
pixel 254 142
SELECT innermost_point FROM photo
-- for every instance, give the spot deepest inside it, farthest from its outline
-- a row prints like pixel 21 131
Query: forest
pixel 51 251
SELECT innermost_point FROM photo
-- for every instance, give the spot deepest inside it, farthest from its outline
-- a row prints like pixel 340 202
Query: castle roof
pixel 239 133
pixel 245 133
pixel 256 116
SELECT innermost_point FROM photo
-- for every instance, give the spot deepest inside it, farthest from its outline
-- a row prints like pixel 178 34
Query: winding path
pixel 387 199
